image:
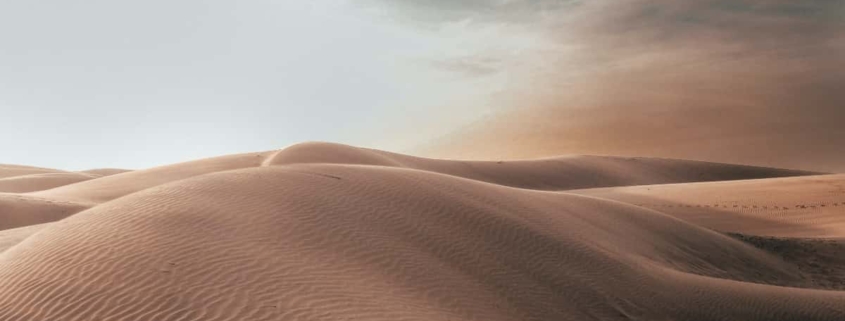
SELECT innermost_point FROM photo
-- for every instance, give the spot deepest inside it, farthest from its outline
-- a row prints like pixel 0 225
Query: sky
pixel 135 84
pixel 755 82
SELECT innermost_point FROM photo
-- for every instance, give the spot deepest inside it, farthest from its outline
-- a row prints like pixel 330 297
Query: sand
pixel 8 170
pixel 101 172
pixel 25 179
pixel 114 186
pixel 557 173
pixel 803 207
pixel 17 210
pixel 40 182
pixel 332 232
pixel 561 173
pixel 12 237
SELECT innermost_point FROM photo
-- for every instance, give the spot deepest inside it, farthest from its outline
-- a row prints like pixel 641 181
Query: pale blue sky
pixel 135 84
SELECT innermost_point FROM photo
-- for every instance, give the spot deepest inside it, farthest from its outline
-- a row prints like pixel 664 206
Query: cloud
pixel 491 11
pixel 747 81
pixel 473 66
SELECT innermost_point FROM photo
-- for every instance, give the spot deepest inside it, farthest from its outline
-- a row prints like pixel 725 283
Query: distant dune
pixel 795 135
pixel 562 173
pixel 40 182
pixel 808 207
pixel 18 210
pixel 322 231
pixel 557 173
pixel 114 186
pixel 24 179
pixel 7 170
pixel 105 171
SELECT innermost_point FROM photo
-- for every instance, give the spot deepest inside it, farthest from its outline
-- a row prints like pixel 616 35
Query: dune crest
pixel 269 244
pixel 11 237
pixel 114 186
pixel 17 210
pixel 557 173
pixel 101 172
pixel 321 231
pixel 26 179
pixel 9 170
pixel 562 173
pixel 40 182
pixel 803 207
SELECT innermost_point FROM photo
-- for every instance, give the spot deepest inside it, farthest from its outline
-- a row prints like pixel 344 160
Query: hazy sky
pixel 135 84
pixel 742 81
pixel 114 83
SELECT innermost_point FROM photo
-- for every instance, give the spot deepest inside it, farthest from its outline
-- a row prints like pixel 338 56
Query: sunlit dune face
pixel 322 231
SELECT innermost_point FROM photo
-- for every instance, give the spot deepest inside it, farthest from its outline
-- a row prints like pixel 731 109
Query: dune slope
pixel 560 173
pixel 17 210
pixel 25 179
pixel 40 182
pixel 11 237
pixel 547 174
pixel 803 207
pixel 351 242
pixel 8 170
pixel 114 186
pixel 101 172
pixel 821 260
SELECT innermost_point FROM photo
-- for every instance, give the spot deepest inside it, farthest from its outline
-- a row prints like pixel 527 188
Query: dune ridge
pixel 114 186
pixel 40 182
pixel 546 174
pixel 556 173
pixel 25 179
pixel 11 237
pixel 322 231
pixel 18 210
pixel 266 244
pixel 101 172
pixel 9 170
pixel 798 207
pixel 561 173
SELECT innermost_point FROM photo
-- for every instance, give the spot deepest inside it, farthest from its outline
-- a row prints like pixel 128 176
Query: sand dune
pixel 50 204
pixel 114 186
pixel 21 210
pixel 40 182
pixel 811 206
pixel 25 179
pixel 101 172
pixel 18 208
pixel 821 260
pixel 8 170
pixel 101 185
pixel 12 237
pixel 547 174
pixel 266 244
pixel 331 232
pixel 560 173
